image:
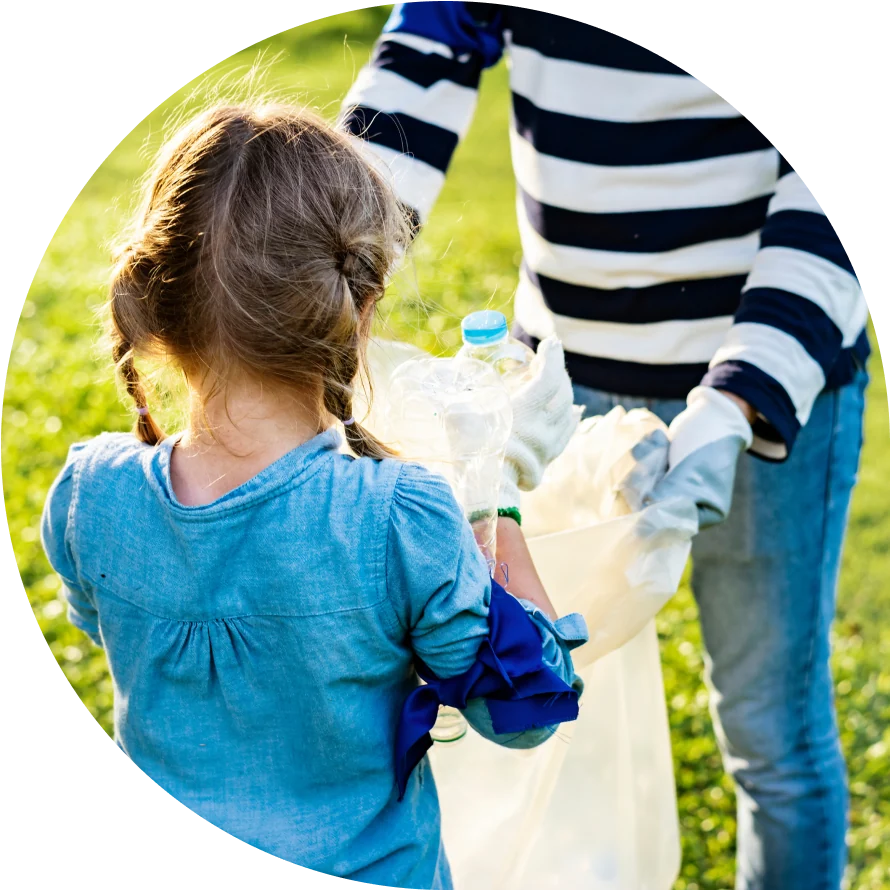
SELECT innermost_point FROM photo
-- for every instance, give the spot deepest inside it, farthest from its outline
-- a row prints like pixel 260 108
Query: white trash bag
pixel 615 567
pixel 594 808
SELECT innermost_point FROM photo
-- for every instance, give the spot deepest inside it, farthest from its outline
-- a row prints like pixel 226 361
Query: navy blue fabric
pixel 563 38
pixel 403 133
pixel 796 316
pixel 807 231
pixel 757 388
pixel 621 144
pixel 650 231
pixel 425 69
pixel 695 298
pixel 451 24
pixel 628 378
pixel 850 363
pixel 521 692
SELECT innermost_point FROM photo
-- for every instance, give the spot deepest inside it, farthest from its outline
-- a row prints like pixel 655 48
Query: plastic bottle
pixel 487 339
pixel 454 416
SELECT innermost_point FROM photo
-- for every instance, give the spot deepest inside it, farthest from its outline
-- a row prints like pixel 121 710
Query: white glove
pixel 544 418
pixel 706 441
pixel 636 476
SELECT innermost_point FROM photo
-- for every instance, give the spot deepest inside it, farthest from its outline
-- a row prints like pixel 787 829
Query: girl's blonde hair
pixel 264 243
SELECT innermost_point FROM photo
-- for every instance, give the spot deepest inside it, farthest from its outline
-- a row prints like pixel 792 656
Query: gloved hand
pixel 544 418
pixel 706 441
pixel 637 475
pixel 610 467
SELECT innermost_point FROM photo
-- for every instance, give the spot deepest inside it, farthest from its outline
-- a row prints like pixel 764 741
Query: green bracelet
pixel 511 513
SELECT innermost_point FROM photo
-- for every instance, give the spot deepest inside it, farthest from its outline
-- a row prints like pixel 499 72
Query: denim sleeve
pixel 437 579
pixel 56 532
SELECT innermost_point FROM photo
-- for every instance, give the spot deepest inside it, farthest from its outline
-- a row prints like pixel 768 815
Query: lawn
pixel 60 390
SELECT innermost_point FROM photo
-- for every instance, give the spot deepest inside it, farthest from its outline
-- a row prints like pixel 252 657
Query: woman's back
pixel 259 644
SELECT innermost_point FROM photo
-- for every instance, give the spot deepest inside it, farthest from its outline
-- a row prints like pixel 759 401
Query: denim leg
pixel 765 584
pixel 597 402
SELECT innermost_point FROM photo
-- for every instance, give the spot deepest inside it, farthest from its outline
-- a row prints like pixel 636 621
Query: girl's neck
pixel 232 437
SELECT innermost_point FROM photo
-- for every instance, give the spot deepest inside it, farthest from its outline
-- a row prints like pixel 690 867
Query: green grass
pixel 60 390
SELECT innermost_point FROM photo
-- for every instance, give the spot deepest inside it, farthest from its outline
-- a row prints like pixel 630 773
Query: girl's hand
pixel 544 419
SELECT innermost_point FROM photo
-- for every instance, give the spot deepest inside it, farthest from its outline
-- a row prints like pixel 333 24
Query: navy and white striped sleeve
pixel 800 307
pixel 413 102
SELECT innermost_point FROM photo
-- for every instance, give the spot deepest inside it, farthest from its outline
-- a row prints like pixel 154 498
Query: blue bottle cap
pixel 484 328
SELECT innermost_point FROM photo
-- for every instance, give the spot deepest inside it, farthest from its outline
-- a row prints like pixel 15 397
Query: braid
pixel 366 444
pixel 338 392
pixel 146 428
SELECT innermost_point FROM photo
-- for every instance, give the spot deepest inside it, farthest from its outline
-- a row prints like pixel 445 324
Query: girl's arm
pixel 521 577
pixel 56 530
pixel 500 658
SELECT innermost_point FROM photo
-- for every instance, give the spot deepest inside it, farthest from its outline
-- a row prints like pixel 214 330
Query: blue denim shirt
pixel 261 645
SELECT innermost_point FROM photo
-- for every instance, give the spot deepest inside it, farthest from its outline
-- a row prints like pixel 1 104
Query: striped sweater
pixel 665 240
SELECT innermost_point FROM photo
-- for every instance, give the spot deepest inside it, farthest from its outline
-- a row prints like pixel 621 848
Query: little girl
pixel 265 601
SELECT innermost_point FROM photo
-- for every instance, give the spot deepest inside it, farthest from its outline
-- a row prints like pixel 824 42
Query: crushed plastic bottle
pixel 454 416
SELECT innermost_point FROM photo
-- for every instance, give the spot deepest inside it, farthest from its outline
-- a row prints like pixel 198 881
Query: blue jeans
pixel 765 583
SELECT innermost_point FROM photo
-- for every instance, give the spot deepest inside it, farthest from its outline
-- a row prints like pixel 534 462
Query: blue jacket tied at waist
pixel 515 685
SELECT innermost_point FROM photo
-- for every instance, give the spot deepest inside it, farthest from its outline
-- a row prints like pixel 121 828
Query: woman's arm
pixel 521 577
pixel 413 102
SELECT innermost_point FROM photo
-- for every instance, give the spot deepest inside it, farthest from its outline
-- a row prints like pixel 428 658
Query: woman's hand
pixel 706 441
pixel 544 419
